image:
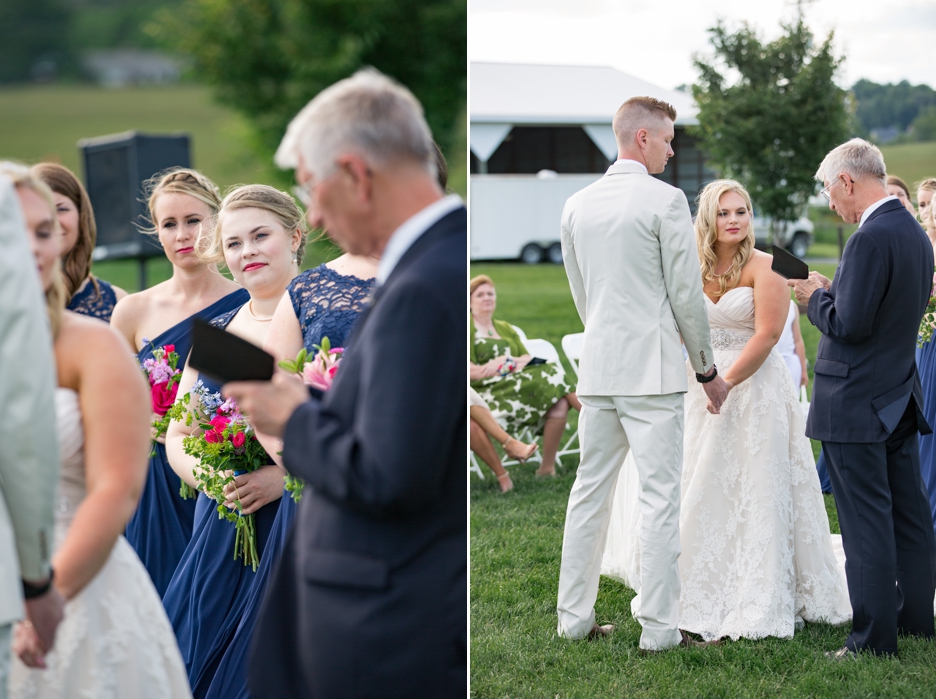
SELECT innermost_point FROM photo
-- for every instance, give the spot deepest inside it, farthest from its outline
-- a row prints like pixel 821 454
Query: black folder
pixel 225 357
pixel 787 265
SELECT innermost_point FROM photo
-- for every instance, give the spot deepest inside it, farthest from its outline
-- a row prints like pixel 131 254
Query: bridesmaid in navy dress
pixel 321 302
pixel 180 203
pixel 926 365
pixel 261 235
pixel 87 294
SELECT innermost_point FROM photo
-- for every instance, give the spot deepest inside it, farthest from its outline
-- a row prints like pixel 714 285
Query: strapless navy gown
pixel 161 527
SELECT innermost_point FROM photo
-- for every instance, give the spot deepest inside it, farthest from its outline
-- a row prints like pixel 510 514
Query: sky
pixel 881 40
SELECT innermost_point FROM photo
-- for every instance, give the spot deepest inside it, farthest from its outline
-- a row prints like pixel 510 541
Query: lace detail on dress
pixel 327 304
pixel 224 320
pixel 115 640
pixel 91 302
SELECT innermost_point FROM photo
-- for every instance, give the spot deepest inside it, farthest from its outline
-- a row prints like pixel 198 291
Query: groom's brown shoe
pixel 598 632
pixel 687 641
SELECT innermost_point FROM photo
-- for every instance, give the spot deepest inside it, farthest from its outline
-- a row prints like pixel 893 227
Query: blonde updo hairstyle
pixel 706 230
pixel 21 176
pixel 254 196
pixel 179 181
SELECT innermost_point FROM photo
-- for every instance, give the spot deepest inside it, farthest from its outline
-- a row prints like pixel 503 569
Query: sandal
pixel 505 485
pixel 521 453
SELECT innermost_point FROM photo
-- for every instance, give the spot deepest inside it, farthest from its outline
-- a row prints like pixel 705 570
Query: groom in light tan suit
pixel 29 462
pixel 630 255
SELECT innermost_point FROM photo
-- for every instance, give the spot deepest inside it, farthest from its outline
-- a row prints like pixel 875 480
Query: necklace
pixel 723 273
pixel 250 311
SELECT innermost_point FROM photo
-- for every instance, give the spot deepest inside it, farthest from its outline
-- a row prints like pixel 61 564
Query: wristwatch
pixel 31 591
pixel 702 378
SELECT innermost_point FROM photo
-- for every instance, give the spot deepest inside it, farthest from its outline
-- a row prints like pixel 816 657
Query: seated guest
pixel 87 294
pixel 484 424
pixel 898 188
pixel 519 395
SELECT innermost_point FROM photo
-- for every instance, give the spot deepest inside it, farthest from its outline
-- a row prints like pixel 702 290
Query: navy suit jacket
pixel 370 596
pixel 865 371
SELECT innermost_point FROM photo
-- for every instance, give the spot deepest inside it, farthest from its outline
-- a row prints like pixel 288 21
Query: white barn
pixel 538 134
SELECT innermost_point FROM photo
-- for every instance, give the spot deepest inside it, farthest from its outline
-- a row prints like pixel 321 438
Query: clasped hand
pixel 717 391
pixel 255 489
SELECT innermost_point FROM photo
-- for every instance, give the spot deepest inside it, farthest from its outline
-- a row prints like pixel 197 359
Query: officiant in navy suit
pixel 370 597
pixel 867 401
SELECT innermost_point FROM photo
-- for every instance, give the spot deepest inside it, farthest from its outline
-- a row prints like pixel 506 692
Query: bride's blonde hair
pixel 57 293
pixel 706 231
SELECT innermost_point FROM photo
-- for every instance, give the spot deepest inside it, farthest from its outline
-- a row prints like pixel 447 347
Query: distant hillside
pixel 896 111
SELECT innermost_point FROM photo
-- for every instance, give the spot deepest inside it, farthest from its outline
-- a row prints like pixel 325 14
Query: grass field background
pixel 45 123
pixel 516 542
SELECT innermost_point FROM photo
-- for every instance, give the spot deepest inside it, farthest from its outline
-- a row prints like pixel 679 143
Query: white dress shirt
pixel 410 230
pixel 874 207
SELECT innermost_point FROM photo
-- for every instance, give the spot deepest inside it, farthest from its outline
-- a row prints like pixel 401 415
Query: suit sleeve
pixel 29 459
pixel 848 315
pixel 684 282
pixel 409 410
pixel 570 261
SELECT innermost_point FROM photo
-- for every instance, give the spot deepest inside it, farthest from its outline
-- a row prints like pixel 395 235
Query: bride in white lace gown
pixel 756 553
pixel 115 640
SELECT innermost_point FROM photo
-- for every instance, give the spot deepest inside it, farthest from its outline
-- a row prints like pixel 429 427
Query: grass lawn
pixel 911 162
pixel 516 544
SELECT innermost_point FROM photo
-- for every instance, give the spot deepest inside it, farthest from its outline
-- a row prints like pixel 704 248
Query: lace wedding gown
pixel 757 556
pixel 115 641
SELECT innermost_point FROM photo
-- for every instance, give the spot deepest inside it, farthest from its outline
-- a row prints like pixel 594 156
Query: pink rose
pixel 213 437
pixel 163 396
pixel 238 439
pixel 219 422
pixel 169 349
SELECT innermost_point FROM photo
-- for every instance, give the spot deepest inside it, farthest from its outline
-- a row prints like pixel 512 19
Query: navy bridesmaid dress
pixel 207 596
pixel 926 365
pixel 94 302
pixel 327 304
pixel 161 527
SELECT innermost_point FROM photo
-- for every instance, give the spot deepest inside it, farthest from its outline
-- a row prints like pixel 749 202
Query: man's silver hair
pixel 857 158
pixel 367 114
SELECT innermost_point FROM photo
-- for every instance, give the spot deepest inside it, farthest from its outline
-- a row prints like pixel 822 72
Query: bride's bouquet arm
pixel 771 307
pixel 117 434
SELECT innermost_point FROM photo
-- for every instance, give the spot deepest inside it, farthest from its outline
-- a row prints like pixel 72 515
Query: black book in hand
pixel 225 357
pixel 788 266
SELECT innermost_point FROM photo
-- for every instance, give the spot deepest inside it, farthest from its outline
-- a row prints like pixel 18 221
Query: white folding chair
pixel 572 346
pixel 475 466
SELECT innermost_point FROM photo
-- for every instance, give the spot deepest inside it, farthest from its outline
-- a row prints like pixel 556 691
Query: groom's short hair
pixel 640 113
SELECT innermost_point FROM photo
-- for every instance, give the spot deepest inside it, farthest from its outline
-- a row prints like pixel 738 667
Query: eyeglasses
pixel 304 191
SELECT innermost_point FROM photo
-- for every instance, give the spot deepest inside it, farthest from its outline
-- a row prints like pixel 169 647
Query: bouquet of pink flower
pixel 929 317
pixel 319 373
pixel 162 373
pixel 225 447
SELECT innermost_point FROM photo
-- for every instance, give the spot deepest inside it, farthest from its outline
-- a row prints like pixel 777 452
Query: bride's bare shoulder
pixel 85 342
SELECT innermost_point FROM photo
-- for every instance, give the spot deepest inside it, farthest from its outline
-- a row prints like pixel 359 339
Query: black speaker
pixel 115 168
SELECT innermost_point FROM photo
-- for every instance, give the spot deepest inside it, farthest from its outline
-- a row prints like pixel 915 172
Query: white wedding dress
pixel 115 641
pixel 756 553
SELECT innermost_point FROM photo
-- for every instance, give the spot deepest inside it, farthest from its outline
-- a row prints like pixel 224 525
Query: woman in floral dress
pixel 519 395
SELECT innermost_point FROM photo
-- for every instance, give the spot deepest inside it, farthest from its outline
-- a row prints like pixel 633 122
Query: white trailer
pixel 518 216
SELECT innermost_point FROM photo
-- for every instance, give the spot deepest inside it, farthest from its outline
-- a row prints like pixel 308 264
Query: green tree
pixel 31 31
pixel 770 124
pixel 267 58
